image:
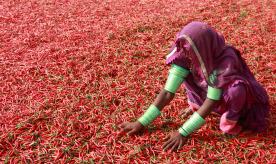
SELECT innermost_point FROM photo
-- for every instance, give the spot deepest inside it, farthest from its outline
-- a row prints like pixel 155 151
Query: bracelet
pixel 176 77
pixel 195 122
pixel 150 115
pixel 179 71
pixel 213 93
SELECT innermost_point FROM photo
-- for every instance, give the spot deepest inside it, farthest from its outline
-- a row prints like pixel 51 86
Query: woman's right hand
pixel 131 127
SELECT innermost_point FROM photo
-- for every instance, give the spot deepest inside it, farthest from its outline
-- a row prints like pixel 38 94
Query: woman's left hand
pixel 175 142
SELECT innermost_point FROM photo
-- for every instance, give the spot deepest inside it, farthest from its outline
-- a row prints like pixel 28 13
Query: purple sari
pixel 244 104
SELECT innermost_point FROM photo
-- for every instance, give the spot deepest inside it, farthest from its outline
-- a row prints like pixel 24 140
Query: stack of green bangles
pixel 151 114
pixel 176 77
pixel 195 122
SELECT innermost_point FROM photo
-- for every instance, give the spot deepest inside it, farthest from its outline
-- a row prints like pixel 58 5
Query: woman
pixel 216 79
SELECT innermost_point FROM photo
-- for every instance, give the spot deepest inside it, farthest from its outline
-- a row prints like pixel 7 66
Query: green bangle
pixel 179 71
pixel 214 93
pixel 195 122
pixel 173 83
pixel 149 115
pixel 176 77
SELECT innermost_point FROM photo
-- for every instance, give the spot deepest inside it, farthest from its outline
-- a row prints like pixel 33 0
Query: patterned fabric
pixel 213 78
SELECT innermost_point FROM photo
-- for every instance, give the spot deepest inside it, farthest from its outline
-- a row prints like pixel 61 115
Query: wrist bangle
pixel 213 93
pixel 195 122
pixel 150 115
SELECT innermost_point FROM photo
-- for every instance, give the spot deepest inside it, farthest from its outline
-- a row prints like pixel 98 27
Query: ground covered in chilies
pixel 72 70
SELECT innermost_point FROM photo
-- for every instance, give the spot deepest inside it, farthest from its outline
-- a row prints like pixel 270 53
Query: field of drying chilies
pixel 72 70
